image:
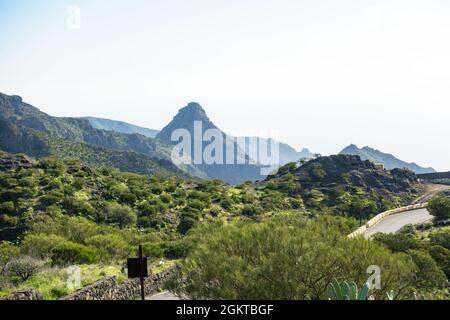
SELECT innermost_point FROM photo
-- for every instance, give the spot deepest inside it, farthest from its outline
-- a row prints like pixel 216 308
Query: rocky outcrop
pixel 14 162
pixel 349 171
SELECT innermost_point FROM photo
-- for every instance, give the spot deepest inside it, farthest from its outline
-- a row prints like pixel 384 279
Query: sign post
pixel 137 268
pixel 141 260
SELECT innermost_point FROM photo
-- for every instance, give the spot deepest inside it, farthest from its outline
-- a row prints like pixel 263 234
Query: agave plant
pixel 390 295
pixel 346 291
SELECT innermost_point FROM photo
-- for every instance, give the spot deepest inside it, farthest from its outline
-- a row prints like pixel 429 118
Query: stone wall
pixel 106 289
pixel 109 289
pixel 27 294
pixel 100 290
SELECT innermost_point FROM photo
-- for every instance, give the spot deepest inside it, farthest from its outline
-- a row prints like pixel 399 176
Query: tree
pixel 121 215
pixel 439 207
pixel 23 267
pixel 284 257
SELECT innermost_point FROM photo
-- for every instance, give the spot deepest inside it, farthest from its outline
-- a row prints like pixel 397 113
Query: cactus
pixel 346 291
pixel 390 295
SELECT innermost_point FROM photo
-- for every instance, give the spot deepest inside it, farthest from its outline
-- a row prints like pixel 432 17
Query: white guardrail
pixel 384 215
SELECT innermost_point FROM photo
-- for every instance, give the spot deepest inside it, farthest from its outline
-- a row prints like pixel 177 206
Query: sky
pixel 320 74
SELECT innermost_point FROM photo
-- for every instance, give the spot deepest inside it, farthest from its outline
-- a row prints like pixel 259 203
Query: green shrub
pixel 428 275
pixel 439 207
pixel 8 251
pixel 175 249
pixel 187 222
pixel 153 249
pixel 251 210
pixel 121 215
pixel 111 246
pixel 40 245
pixel 397 242
pixel 441 238
pixel 442 257
pixel 73 253
pixel 285 257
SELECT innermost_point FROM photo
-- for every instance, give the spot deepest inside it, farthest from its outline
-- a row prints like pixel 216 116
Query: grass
pixel 52 283
pixel 156 267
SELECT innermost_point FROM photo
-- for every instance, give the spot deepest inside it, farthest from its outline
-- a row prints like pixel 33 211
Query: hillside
pixel 25 129
pixel 34 189
pixel 121 127
pixel 388 160
pixel 346 184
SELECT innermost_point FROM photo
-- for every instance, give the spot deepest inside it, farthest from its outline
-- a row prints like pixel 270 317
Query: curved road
pixel 163 296
pixel 397 221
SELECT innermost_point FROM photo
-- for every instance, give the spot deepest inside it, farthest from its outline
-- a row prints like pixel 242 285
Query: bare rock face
pixel 15 162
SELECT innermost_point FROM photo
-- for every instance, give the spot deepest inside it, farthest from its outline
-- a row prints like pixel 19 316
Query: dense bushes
pixel 166 249
pixel 286 257
pixel 439 207
pixel 429 254
pixel 397 242
pixel 69 253
pixel 428 274
pixel 40 245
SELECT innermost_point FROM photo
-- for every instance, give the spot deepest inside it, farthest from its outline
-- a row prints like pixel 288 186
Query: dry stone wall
pixel 106 289
pixel 27 294
pixel 109 289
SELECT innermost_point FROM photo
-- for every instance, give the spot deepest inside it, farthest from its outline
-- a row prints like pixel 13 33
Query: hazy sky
pixel 323 74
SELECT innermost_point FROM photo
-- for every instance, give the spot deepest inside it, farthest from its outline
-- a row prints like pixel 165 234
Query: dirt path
pixel 431 190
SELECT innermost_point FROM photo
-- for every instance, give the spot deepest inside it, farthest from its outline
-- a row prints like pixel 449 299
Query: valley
pixel 88 191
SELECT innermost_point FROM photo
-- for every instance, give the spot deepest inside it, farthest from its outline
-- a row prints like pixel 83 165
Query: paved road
pixel 397 221
pixel 163 296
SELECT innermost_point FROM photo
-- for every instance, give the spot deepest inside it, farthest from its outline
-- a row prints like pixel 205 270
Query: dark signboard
pixel 135 265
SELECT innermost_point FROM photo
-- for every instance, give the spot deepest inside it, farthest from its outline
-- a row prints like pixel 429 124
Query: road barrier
pixel 360 231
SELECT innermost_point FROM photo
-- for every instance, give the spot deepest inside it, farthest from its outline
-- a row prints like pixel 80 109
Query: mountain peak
pixel 193 109
pixel 350 148
pixel 185 119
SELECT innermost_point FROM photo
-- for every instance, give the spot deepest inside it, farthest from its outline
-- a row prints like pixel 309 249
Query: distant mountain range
pixel 25 129
pixel 120 126
pixel 286 152
pixel 103 142
pixel 185 120
pixel 388 160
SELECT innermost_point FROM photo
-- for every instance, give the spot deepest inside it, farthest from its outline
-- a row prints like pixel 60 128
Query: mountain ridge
pixel 26 129
pixel 121 126
pixel 388 160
